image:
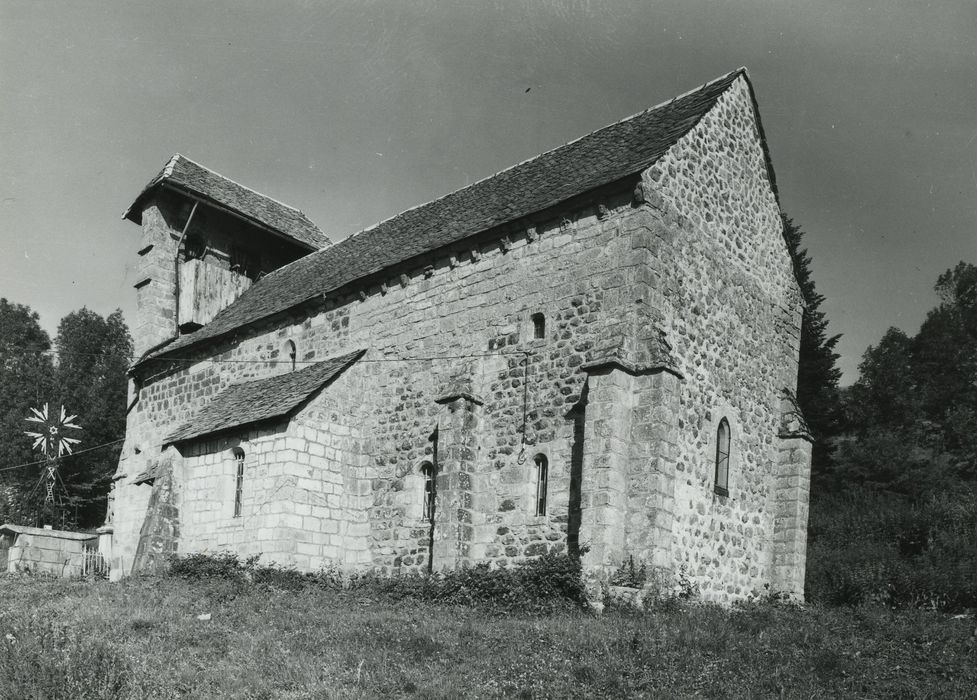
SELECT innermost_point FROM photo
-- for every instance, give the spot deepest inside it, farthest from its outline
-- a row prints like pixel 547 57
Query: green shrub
pixel 545 584
pixel 198 567
pixel 867 546
pixel 630 575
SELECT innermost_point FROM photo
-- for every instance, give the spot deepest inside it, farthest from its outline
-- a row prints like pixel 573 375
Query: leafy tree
pixel 25 382
pixel 900 529
pixel 93 356
pixel 884 394
pixel 913 410
pixel 818 374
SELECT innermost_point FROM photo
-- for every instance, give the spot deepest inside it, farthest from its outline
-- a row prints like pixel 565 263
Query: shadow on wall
pixel 577 414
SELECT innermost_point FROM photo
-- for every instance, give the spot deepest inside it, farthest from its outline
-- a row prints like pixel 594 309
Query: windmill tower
pixel 53 437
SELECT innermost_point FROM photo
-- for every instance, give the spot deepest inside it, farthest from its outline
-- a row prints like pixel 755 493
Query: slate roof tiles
pixel 184 174
pixel 262 399
pixel 604 156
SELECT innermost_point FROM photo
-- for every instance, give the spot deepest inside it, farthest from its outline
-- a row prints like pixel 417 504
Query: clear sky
pixel 354 111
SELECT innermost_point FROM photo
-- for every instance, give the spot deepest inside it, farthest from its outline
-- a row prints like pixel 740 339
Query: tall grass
pixel 143 638
pixel 870 546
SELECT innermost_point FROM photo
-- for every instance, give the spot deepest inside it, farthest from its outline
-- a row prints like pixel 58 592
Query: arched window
pixel 289 351
pixel 238 479
pixel 539 326
pixel 722 458
pixel 542 476
pixel 427 470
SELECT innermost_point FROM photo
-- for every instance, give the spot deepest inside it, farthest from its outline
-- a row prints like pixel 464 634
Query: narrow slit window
pixel 238 480
pixel 539 326
pixel 542 476
pixel 722 458
pixel 289 351
pixel 427 470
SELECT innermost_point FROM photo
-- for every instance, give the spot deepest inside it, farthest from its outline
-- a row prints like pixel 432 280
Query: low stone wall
pixel 48 551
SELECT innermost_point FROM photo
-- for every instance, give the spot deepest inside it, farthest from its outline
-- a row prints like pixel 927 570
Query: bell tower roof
pixel 203 184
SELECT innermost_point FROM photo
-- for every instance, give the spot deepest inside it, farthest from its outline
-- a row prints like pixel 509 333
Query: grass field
pixel 143 638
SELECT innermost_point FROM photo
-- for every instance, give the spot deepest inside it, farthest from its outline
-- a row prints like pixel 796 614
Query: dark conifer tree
pixel 818 374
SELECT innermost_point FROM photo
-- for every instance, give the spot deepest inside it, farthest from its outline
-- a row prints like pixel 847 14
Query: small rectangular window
pixel 539 326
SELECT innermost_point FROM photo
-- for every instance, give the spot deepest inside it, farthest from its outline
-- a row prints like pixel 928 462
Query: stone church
pixel 593 351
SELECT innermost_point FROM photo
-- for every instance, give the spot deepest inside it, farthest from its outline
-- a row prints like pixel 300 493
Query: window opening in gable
pixel 427 470
pixel 542 476
pixel 289 351
pixel 722 458
pixel 539 326
pixel 194 247
pixel 244 263
pixel 238 480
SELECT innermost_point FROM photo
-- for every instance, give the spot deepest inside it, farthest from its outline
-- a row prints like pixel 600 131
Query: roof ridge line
pixel 540 155
pixel 168 168
pixel 249 189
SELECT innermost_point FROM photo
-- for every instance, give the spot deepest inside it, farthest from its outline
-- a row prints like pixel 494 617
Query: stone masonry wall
pixel 303 503
pixel 461 316
pixel 731 312
pixel 163 221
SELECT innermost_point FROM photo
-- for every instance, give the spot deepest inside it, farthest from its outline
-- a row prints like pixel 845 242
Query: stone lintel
pixel 454 395
pixel 607 364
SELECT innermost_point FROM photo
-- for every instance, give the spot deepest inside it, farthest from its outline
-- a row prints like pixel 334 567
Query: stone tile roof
pixel 183 174
pixel 262 399
pixel 40 531
pixel 150 473
pixel 604 156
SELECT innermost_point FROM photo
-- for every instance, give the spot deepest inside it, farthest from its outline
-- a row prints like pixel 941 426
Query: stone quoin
pixel 594 352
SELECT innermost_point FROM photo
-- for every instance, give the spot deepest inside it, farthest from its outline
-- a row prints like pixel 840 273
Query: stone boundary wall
pixel 49 551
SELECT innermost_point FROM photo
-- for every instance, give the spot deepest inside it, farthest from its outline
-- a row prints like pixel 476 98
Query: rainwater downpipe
pixel 176 268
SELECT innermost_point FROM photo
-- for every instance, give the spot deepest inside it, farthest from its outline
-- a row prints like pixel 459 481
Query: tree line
pixel 893 517
pixel 84 369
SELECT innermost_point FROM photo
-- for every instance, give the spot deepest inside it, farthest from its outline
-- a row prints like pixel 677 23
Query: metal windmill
pixel 52 438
